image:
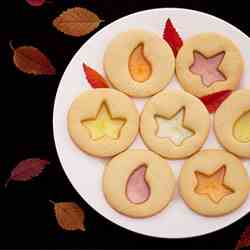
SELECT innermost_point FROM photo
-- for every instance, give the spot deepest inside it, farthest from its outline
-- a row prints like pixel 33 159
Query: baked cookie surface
pixel 174 124
pixel 213 182
pixel 232 123
pixel 103 122
pixel 139 63
pixel 138 183
pixel 209 63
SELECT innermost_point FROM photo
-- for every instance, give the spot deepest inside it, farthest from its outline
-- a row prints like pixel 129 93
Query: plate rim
pixel 59 86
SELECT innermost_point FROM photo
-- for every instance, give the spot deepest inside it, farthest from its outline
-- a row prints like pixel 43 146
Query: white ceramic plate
pixel 85 172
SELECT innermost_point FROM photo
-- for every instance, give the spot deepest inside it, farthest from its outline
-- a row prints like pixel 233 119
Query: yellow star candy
pixel 104 124
pixel 173 128
pixel 213 185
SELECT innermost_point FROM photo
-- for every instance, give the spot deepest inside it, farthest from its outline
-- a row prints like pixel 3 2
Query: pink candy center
pixel 137 189
pixel 208 68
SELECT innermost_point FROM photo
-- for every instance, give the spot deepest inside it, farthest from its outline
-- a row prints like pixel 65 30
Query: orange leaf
pixel 77 22
pixel 94 78
pixel 172 37
pixel 69 215
pixel 32 61
pixel 244 240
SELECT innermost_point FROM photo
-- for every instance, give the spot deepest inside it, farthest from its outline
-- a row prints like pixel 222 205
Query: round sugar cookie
pixel 209 63
pixel 174 124
pixel 135 192
pixel 103 122
pixel 139 63
pixel 213 183
pixel 232 123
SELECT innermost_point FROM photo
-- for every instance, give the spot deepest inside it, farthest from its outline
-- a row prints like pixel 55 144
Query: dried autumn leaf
pixel 27 169
pixel 32 61
pixel 35 3
pixel 244 240
pixel 94 78
pixel 77 22
pixel 213 101
pixel 69 215
pixel 172 37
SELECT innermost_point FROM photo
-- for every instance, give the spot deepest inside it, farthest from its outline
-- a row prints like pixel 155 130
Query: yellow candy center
pixel 242 128
pixel 104 125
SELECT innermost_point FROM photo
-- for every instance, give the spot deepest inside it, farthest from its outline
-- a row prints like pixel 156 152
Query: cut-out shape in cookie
pixel 103 122
pixel 173 128
pixel 213 185
pixel 139 63
pixel 138 190
pixel 208 63
pixel 242 128
pixel 138 183
pixel 232 123
pixel 139 67
pixel 213 182
pixel 208 68
pixel 174 124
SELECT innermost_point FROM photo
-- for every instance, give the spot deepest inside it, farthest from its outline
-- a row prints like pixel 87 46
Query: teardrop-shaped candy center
pixel 139 67
pixel 242 128
pixel 137 189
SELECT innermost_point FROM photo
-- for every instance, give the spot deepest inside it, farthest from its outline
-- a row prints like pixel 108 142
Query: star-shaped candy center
pixel 208 68
pixel 173 128
pixel 104 124
pixel 213 185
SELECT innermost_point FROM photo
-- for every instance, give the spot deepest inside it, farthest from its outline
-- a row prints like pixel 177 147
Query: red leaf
pixel 94 78
pixel 244 240
pixel 27 169
pixel 172 37
pixel 31 60
pixel 35 3
pixel 213 101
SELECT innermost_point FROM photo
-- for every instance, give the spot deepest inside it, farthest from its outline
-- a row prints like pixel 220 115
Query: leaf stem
pixel 11 45
pixel 52 202
pixel 7 182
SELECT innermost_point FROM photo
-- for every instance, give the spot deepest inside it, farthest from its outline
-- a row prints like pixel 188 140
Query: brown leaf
pixel 27 169
pixel 77 22
pixel 69 215
pixel 32 61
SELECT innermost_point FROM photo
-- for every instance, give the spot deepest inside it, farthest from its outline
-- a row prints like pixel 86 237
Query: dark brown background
pixel 26 216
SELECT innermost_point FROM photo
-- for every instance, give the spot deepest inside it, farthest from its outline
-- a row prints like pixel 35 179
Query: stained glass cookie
pixel 103 122
pixel 139 63
pixel 213 182
pixel 232 123
pixel 138 183
pixel 209 63
pixel 174 124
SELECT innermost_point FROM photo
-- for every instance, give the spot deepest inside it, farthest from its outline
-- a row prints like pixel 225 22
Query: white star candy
pixel 173 128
